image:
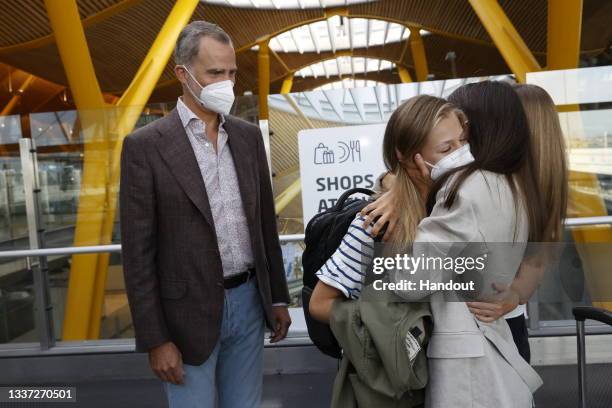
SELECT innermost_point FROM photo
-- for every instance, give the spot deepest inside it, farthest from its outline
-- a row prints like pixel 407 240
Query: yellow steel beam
pixel 8 108
pixel 563 37
pixel 53 94
pixel 585 200
pixel 298 111
pixel 508 41
pixel 336 11
pixel 280 60
pixel 247 47
pixel 129 108
pixel 284 199
pixel 88 273
pixel 404 49
pixel 419 57
pixel 86 23
pixel 72 45
pixel 343 53
pixel 585 195
pixel 404 75
pixel 287 84
pixel 263 77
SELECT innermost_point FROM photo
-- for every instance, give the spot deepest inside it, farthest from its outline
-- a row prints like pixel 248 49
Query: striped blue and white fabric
pixel 346 269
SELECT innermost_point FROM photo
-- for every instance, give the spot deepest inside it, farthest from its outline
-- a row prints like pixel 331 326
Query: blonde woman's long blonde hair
pixel 549 155
pixel 405 136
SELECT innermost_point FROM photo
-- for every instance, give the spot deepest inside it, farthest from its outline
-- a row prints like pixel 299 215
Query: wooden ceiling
pixel 119 33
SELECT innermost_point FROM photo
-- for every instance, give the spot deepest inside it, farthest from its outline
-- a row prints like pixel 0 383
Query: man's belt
pixel 238 279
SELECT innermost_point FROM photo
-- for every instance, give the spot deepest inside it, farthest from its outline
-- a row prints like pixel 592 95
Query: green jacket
pixel 383 339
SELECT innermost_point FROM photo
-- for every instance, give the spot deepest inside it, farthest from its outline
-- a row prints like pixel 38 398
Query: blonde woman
pixel 493 199
pixel 548 157
pixel 424 125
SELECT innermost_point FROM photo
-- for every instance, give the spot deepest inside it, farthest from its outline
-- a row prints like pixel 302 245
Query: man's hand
pixel 385 207
pixel 505 301
pixel 282 321
pixel 167 363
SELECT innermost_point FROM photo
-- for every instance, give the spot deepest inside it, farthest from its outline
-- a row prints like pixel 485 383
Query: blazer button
pixel 220 284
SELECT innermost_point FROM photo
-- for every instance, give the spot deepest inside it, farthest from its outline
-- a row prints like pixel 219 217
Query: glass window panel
pixel 285 4
pixel 342 35
pixel 10 129
pixel 13 219
pixel 572 86
pixel 348 66
pixel 17 319
pixel 17 299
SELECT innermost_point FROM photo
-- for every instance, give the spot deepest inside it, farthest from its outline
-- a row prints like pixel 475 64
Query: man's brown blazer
pixel 171 261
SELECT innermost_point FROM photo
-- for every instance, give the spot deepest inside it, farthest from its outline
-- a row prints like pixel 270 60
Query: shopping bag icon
pixel 323 155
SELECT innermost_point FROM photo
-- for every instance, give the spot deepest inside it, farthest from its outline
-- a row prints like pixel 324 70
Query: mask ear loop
pixel 194 80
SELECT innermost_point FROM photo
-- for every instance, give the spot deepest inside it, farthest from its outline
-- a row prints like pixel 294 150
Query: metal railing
pixel 47 345
pixel 116 248
pixel 584 221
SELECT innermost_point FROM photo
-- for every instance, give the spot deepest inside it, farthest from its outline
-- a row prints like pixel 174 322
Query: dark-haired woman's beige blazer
pixel 473 364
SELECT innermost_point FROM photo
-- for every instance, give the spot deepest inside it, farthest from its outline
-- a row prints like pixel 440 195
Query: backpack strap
pixel 348 193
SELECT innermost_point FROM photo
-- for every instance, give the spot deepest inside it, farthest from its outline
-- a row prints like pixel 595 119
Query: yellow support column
pixel 129 108
pixel 72 45
pixel 404 74
pixel 508 41
pixel 418 54
pixel 287 84
pixel 263 77
pixel 564 29
pixel 8 108
pixel 585 200
pixel 289 194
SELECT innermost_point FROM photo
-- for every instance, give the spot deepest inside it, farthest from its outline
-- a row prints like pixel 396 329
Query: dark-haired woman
pixel 490 207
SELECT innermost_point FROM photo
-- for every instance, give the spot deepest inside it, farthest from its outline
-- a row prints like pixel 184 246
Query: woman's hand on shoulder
pixel 385 211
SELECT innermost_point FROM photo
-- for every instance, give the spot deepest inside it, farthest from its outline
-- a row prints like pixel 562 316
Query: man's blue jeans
pixel 234 371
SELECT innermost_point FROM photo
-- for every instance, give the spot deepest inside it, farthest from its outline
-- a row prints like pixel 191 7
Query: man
pixel 202 260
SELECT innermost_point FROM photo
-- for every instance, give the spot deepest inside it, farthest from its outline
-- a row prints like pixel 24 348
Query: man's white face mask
pixel 458 158
pixel 217 97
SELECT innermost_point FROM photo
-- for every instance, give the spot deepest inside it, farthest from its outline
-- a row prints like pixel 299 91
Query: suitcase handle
pixel 581 313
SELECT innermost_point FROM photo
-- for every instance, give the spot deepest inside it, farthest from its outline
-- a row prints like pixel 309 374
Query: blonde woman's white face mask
pixel 457 158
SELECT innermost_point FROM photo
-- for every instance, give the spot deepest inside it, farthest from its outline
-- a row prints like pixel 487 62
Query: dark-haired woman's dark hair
pixel 500 143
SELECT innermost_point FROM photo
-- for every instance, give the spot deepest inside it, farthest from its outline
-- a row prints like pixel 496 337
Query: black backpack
pixel 324 234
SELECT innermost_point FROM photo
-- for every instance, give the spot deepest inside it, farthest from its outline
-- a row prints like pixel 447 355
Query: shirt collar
pixel 187 114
